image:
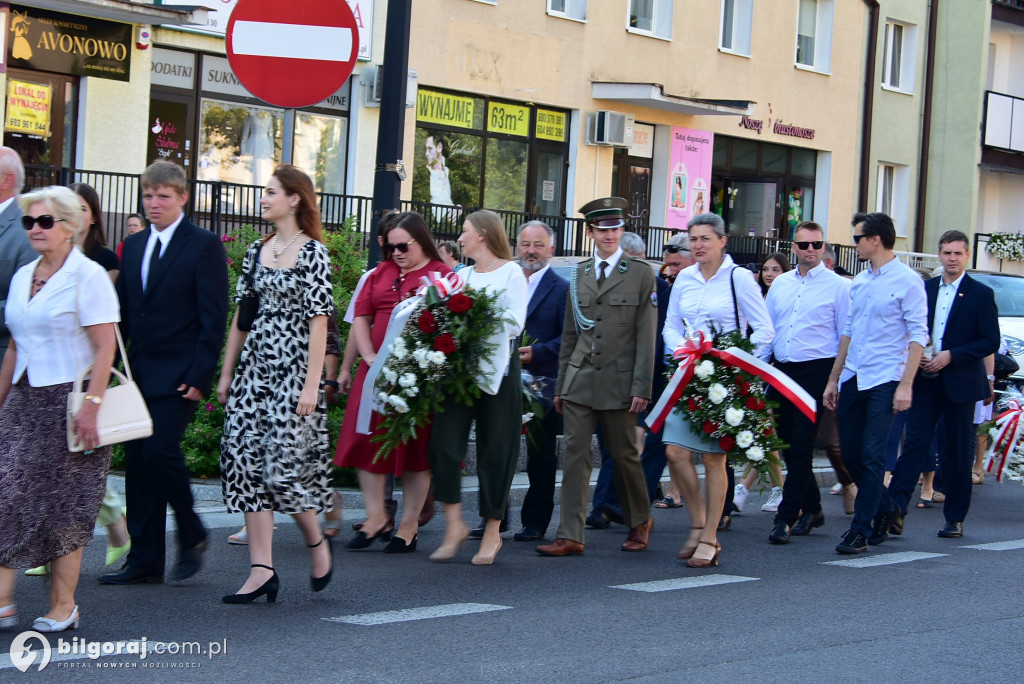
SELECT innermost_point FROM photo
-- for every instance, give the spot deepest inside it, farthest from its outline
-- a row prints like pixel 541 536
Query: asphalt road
pixel 949 613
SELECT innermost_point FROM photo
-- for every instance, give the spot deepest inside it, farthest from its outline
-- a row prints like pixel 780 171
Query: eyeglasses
pixel 401 247
pixel 816 244
pixel 674 249
pixel 45 221
pixel 857 238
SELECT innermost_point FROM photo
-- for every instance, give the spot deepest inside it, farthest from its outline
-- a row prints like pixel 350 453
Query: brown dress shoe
pixel 561 547
pixel 638 537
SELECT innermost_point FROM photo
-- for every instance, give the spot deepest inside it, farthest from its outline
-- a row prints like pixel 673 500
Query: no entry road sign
pixel 292 53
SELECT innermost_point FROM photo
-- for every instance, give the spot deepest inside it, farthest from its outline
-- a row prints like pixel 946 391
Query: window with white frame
pixel 893 194
pixel 737 20
pixel 899 52
pixel 814 34
pixel 650 17
pixel 568 9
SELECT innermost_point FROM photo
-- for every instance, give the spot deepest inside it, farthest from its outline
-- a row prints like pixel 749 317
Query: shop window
pixel 804 163
pixel 899 53
pixel 318 147
pixel 651 17
pixel 814 34
pixel 744 154
pixel 239 144
pixel 505 170
pixel 448 171
pixel 892 196
pixel 774 159
pixel 568 9
pixel 737 20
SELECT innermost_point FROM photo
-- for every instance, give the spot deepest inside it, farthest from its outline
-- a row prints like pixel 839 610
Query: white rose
pixel 755 454
pixel 704 369
pixel 717 393
pixel 398 403
pixel 389 374
pixel 407 380
pixel 419 354
pixel 734 416
pixel 382 397
pixel 744 439
pixel 400 345
pixel 437 358
pixel 412 391
pixel 527 417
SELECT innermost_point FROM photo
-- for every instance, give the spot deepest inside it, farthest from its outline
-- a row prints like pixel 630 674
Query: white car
pixel 1009 291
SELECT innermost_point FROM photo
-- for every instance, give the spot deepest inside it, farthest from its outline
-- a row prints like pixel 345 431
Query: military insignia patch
pixel 654 299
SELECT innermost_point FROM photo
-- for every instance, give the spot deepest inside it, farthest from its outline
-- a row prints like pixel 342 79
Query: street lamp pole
pixel 389 174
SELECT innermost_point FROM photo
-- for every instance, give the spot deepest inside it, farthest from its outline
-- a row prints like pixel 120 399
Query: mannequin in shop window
pixel 258 144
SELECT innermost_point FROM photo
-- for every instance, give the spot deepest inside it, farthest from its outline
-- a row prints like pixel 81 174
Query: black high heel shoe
pixel 362 541
pixel 320 583
pixel 270 588
pixel 398 545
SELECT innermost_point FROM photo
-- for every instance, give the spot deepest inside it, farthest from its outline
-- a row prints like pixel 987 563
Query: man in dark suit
pixel 545 314
pixel 174 298
pixel 15 250
pixel 964 327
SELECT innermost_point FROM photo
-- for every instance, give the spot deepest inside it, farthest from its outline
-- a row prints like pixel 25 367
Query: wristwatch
pixel 94 399
pixel 991 378
pixel 331 383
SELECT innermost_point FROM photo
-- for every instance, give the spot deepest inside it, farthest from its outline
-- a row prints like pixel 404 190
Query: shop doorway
pixel 631 179
pixel 45 134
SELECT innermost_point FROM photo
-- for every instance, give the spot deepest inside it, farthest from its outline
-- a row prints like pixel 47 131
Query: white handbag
pixel 123 415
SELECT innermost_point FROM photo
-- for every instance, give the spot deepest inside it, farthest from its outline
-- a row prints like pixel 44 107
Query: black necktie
pixel 600 272
pixel 153 259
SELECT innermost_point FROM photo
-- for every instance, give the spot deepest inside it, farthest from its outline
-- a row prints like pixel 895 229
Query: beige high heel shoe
pixel 448 549
pixel 481 559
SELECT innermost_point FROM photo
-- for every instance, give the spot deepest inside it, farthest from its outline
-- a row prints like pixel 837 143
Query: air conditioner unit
pixel 610 128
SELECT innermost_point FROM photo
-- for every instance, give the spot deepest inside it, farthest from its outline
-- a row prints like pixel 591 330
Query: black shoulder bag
pixel 249 305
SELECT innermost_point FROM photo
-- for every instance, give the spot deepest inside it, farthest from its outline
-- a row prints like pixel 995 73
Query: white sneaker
pixel 837 488
pixel 739 496
pixel 772 504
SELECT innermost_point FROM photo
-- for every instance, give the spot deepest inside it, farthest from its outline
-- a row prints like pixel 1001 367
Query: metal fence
pixel 224 207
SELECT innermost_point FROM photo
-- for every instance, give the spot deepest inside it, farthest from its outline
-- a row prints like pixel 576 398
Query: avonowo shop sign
pixel 68 44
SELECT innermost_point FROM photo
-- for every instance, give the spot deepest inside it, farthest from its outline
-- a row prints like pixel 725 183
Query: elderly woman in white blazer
pixel 61 311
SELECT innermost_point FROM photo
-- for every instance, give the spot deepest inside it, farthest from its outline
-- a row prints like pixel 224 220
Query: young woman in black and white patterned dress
pixel 274 453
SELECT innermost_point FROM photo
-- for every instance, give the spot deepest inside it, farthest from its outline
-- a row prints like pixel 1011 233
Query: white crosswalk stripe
pixel 884 559
pixel 997 546
pixel 684 583
pixel 424 613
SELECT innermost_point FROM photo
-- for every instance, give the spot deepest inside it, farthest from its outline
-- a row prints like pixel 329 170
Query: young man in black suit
pixel 964 326
pixel 174 300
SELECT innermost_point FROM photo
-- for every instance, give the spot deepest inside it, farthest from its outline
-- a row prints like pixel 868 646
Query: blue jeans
pixel 865 417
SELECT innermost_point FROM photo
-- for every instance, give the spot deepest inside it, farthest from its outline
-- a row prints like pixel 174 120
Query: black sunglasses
pixel 816 244
pixel 45 221
pixel 401 247
pixel 674 249
pixel 856 238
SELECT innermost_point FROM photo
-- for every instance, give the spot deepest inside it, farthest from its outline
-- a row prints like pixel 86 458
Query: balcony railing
pixel 223 207
pixel 1004 121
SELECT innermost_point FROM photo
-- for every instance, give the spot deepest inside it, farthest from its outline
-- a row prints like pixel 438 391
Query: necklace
pixel 487 268
pixel 278 252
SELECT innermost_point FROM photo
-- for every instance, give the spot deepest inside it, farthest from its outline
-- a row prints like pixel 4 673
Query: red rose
pixel 445 344
pixel 460 303
pixel 426 322
pixel 691 404
pixel 526 429
pixel 709 427
pixel 752 403
pixel 727 443
pixel 769 431
pixel 744 387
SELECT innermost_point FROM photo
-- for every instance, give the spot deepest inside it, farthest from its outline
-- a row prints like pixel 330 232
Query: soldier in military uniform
pixel 605 370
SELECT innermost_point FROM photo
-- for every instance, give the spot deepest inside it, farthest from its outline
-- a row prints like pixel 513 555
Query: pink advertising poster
pixel 689 175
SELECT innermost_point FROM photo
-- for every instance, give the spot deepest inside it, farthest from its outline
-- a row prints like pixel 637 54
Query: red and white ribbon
pixel 446 285
pixel 1008 433
pixel 689 355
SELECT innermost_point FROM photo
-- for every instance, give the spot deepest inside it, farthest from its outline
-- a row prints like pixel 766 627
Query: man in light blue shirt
pixel 873 375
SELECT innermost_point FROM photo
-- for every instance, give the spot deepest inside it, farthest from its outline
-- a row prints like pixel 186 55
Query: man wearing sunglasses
pixel 873 375
pixel 676 255
pixel 15 250
pixel 808 306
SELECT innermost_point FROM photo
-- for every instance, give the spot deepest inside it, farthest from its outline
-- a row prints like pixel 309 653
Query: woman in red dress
pixel 413 254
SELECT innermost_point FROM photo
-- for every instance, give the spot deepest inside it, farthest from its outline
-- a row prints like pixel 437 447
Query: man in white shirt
pixel 878 356
pixel 808 306
pixel 964 325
